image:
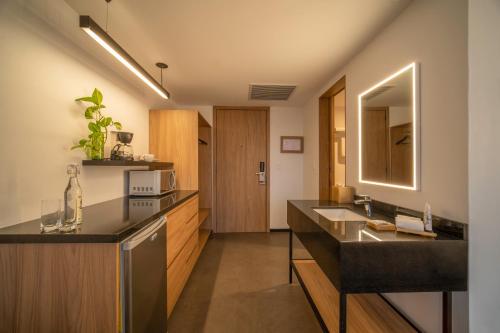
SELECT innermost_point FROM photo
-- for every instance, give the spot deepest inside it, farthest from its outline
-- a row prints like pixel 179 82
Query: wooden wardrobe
pixel 184 138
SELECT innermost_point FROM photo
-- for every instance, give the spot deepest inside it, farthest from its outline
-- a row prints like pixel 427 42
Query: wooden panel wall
pixel 59 288
pixel 173 137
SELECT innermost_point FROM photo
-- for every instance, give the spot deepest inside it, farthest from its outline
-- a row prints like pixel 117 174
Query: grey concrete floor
pixel 240 284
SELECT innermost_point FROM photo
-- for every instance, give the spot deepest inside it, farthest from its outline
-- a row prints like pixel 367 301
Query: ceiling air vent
pixel 378 91
pixel 270 92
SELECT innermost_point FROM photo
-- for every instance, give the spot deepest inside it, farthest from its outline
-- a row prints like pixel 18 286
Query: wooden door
pixel 375 144
pixel 401 154
pixel 241 144
pixel 337 141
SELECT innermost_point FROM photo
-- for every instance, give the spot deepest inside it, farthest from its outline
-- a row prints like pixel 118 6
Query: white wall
pixel 484 165
pixel 399 115
pixel 286 169
pixel 434 34
pixel 42 72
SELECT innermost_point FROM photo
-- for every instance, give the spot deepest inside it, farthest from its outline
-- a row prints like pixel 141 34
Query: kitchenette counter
pixel 107 222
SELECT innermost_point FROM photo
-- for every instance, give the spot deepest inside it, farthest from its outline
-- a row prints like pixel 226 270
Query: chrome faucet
pixel 367 201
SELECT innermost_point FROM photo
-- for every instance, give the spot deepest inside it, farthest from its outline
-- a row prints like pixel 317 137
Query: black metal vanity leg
pixel 290 248
pixel 342 313
pixel 447 312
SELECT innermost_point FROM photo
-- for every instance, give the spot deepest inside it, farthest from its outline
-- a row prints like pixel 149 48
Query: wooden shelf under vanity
pixel 366 313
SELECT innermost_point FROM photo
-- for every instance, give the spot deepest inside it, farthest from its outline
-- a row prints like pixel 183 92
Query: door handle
pixel 262 173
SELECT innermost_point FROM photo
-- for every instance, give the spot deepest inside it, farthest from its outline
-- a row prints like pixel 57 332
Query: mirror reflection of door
pixel 387 132
pixel 337 140
pixel 401 167
pixel 375 143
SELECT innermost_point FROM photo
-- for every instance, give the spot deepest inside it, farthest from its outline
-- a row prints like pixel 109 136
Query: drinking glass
pixel 51 215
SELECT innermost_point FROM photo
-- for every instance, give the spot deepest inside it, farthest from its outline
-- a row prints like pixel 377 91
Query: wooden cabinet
pixel 59 287
pixel 182 222
pixel 184 138
pixel 180 269
pixel 173 137
pixel 185 241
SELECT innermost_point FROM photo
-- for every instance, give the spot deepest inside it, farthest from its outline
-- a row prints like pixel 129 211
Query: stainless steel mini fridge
pixel 144 280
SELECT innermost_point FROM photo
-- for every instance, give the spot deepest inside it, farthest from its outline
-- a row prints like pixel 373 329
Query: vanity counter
pixel 107 222
pixel 358 231
pixel 357 258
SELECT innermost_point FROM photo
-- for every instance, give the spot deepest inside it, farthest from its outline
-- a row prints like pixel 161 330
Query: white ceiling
pixel 216 48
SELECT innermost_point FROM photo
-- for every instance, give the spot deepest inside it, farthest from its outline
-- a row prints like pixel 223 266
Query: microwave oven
pixel 151 182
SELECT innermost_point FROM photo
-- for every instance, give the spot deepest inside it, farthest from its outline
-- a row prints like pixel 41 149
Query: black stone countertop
pixel 359 231
pixel 107 222
pixel 357 258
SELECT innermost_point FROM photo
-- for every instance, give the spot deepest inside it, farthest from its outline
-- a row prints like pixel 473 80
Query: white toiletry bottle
pixel 427 217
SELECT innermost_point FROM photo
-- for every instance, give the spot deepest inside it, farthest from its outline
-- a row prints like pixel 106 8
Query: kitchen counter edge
pixel 76 237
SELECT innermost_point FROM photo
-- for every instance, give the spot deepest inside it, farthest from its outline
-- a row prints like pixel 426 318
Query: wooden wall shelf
pixel 122 163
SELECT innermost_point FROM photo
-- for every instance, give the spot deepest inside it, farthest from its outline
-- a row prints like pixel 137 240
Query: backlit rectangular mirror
pixel 388 131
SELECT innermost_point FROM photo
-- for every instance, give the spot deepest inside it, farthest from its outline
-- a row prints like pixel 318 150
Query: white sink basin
pixel 340 214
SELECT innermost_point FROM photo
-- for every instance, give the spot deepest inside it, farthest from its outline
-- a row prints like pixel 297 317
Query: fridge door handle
pixel 135 240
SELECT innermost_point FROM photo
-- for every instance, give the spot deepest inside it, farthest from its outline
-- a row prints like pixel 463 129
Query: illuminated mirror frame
pixel 416 126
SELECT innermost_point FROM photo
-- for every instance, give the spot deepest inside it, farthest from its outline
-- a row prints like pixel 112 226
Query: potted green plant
pixel 98 125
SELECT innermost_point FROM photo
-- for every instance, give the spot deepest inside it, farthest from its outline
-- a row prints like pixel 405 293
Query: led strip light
pixel 413 67
pixel 102 38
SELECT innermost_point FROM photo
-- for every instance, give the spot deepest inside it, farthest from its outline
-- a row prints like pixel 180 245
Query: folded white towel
pixel 409 222
pixel 406 217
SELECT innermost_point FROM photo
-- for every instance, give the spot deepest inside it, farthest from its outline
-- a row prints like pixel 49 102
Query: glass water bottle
pixel 72 200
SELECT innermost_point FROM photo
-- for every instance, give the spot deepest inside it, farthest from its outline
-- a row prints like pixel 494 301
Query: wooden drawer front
pixel 178 272
pixel 180 225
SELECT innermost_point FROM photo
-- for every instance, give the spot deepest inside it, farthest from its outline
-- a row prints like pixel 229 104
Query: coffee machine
pixel 123 150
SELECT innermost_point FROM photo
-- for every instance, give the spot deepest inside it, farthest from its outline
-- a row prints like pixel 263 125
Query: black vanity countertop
pixel 349 231
pixel 107 222
pixel 357 258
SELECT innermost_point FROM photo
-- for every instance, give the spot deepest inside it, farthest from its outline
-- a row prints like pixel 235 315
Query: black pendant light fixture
pixel 102 38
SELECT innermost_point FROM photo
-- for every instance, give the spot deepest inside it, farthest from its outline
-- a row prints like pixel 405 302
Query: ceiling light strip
pixel 102 38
